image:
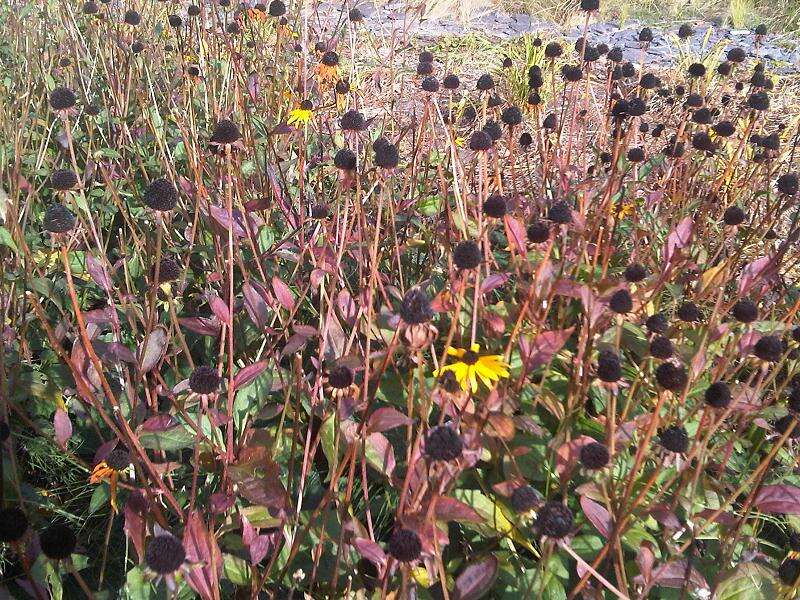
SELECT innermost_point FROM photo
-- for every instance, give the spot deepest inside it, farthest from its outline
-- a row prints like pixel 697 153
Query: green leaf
pixel 136 585
pixel 7 240
pixel 748 581
pixel 176 438
pixel 235 569
pixel 100 498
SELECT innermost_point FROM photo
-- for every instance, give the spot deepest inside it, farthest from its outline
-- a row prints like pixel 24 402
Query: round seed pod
pixel 164 554
pixel 594 455
pixel 161 195
pixel 204 380
pixel 525 498
pixel 405 545
pixel 62 98
pixel 718 395
pixel 442 443
pixel 58 541
pixel 554 520
pixel 674 438
pixel 58 219
pixel 671 377
pixel 13 524
pixel 467 255
pixel 416 307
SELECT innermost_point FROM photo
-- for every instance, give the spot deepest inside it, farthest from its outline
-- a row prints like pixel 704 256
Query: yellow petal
pixel 457 352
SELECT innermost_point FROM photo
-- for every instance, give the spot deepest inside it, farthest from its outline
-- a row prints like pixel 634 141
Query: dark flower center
pixel 470 357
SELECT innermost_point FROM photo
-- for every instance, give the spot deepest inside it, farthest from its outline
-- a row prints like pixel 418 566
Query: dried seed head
pixel 164 554
pixel 58 541
pixel 204 380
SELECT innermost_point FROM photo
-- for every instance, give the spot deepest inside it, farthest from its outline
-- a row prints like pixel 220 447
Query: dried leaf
pixel 154 350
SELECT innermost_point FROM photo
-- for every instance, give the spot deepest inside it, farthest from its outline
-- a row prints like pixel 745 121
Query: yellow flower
pixel 302 114
pixel 471 366
pixel 625 209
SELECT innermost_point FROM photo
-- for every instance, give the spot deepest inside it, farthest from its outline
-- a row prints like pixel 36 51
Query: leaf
pixel 159 423
pixel 476 580
pixel 258 545
pixel 371 551
pixel 99 498
pixel 748 581
pixel 753 273
pixel 257 476
pixel 63 427
pixel 386 418
pixel 517 237
pixel 176 438
pixel 782 498
pixel 137 585
pixel 544 346
pixel 674 575
pixel 201 325
pixel 493 281
pixel 249 374
pixel 450 509
pixel 235 570
pixel 597 515
pixel 219 308
pixel 677 239
pixel 201 548
pixel 283 293
pixel 154 350
pixel 98 273
pixel 135 511
pixel 255 305
pixel 380 454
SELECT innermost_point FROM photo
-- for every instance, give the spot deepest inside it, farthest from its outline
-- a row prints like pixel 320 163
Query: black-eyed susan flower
pixel 301 115
pixel 328 68
pixel 109 469
pixel 470 366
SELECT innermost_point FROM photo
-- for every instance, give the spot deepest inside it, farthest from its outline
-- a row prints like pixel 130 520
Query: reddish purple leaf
pixel 493 281
pixel 517 237
pixel 674 575
pixel 294 344
pixel 544 346
pixel 220 216
pixel 371 551
pixel 258 545
pixel 283 293
pixel 202 550
pixel 249 373
pixel 219 307
pixel 753 273
pixel 782 498
pixel 347 307
pixel 387 418
pixel 597 515
pixel 380 454
pixel 201 325
pixel 450 509
pixel 255 305
pixel 98 273
pixel 159 423
pixel 476 580
pixel 136 508
pixel 677 239
pixel 63 427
